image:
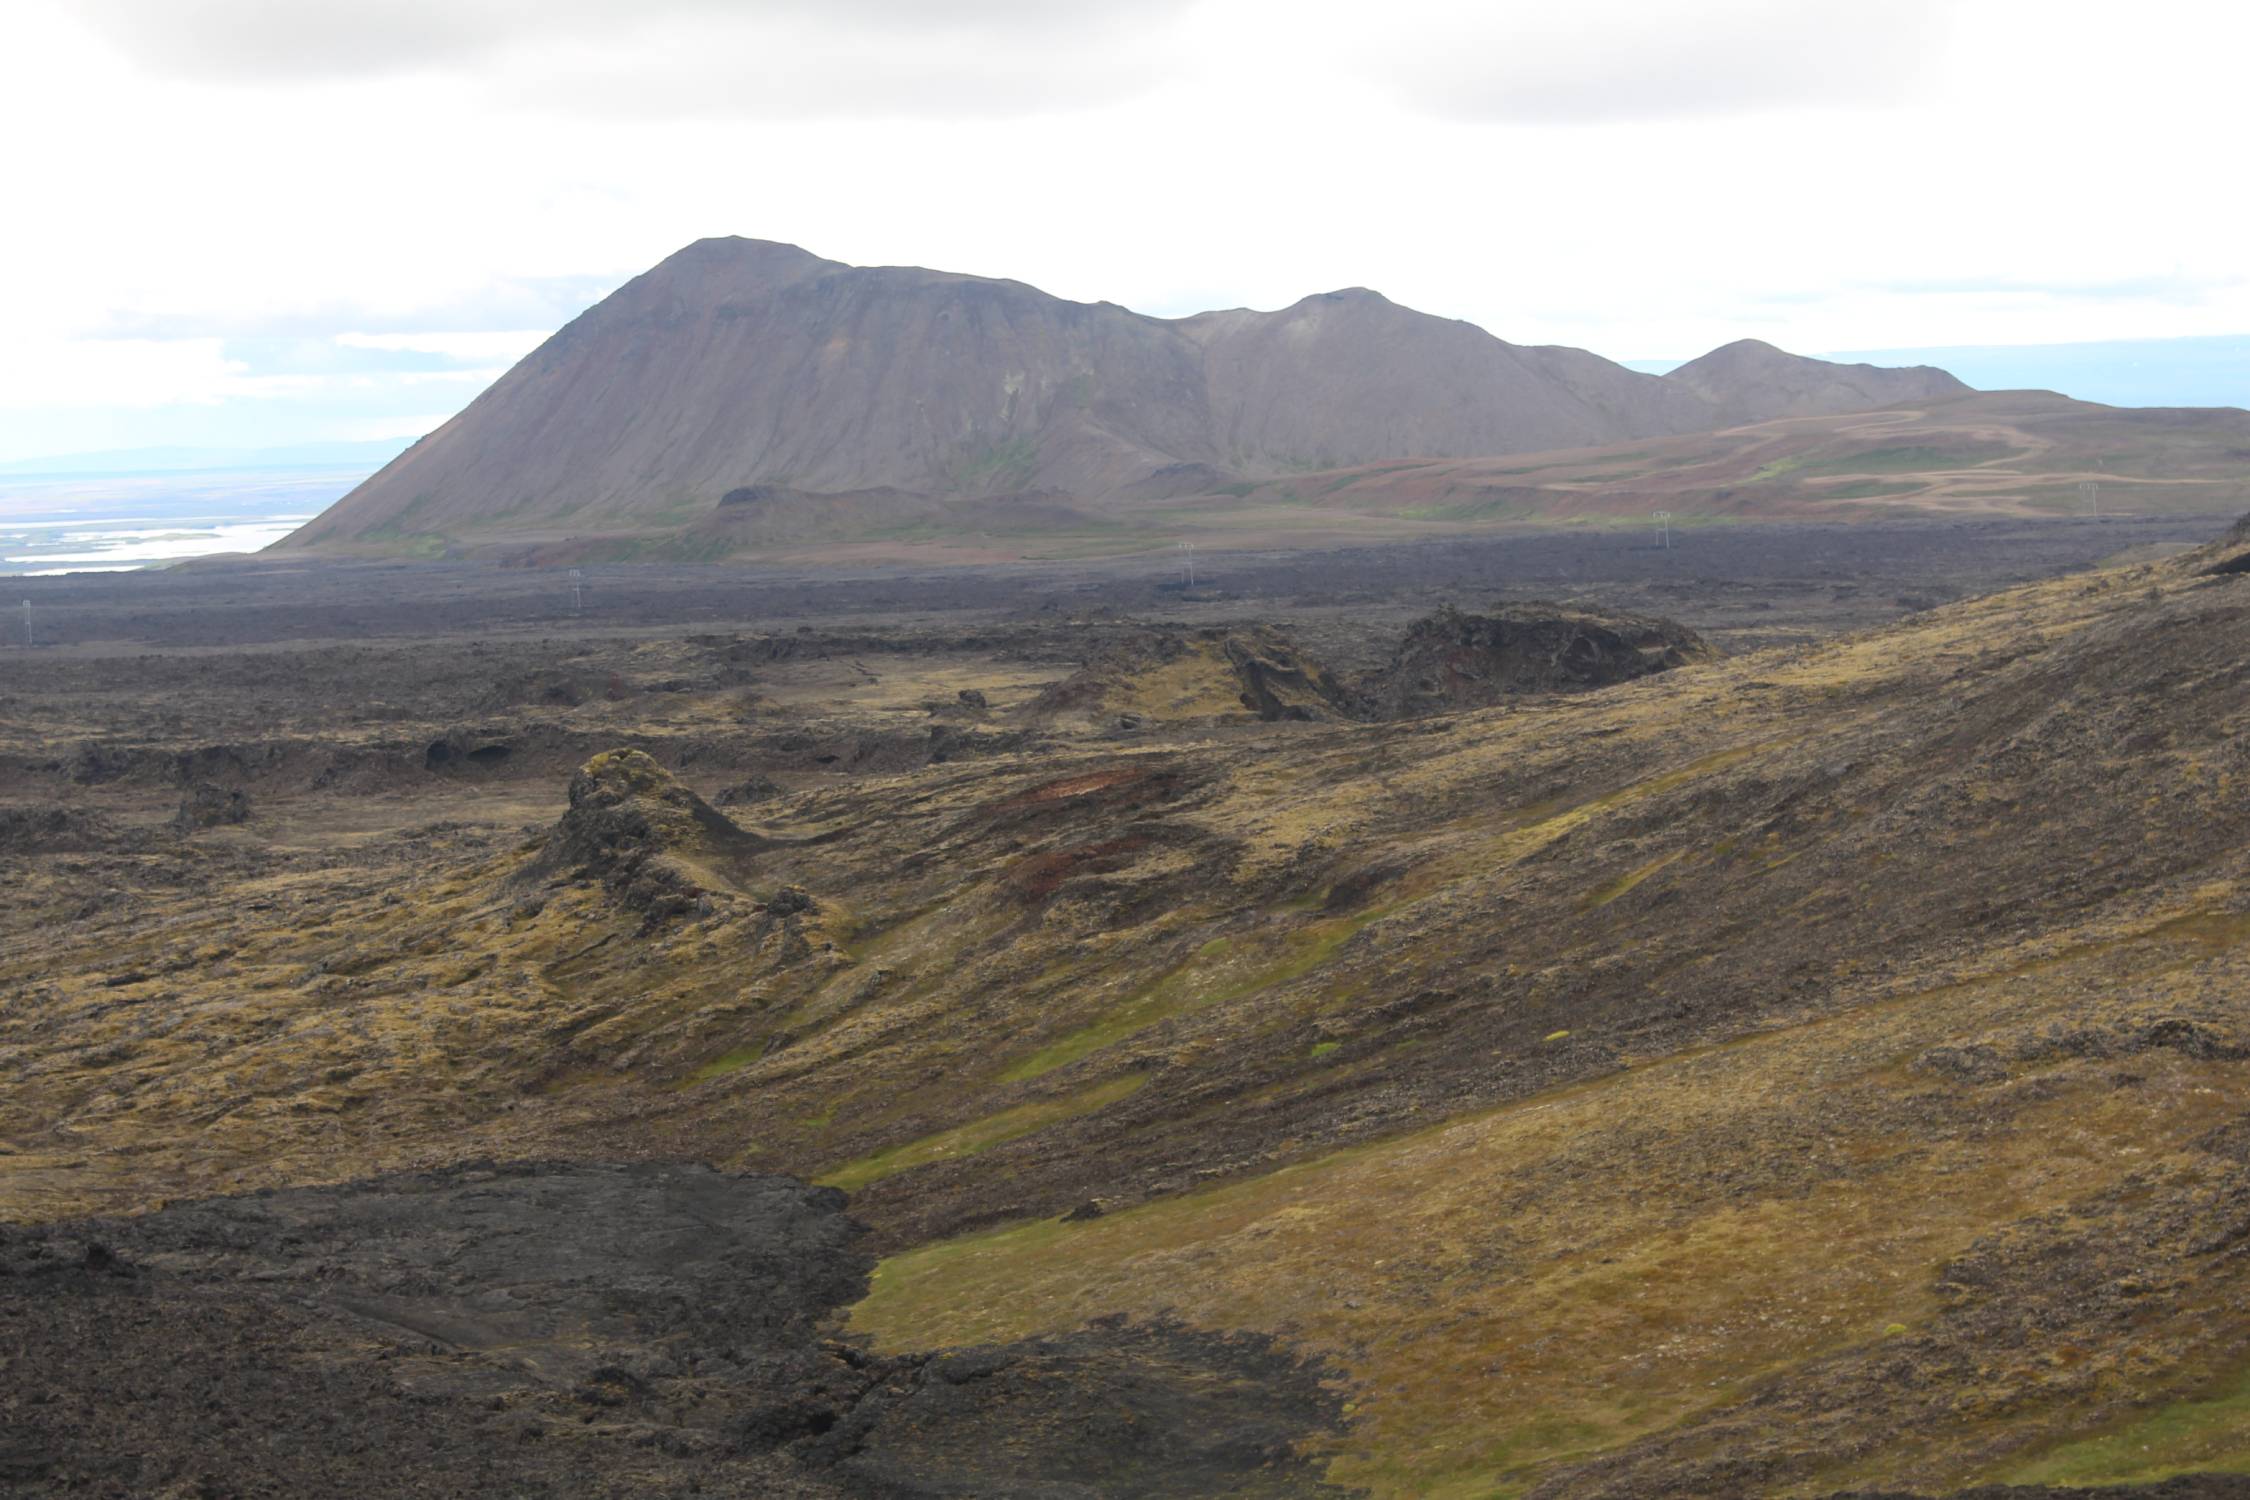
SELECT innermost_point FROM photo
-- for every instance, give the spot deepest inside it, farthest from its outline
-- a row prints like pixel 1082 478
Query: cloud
pixel 508 344
pixel 1612 61
pixel 672 58
pixel 143 374
pixel 2174 288
pixel 416 321
pixel 133 373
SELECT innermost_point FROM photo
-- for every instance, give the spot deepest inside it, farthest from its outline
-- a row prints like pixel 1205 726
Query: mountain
pixel 1351 377
pixel 822 392
pixel 1752 381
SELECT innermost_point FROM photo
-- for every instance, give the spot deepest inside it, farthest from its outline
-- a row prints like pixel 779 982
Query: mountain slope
pixel 857 395
pixel 1752 381
pixel 736 363
pixel 1351 377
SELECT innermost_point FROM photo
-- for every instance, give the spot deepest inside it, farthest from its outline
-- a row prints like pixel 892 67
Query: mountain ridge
pixel 738 363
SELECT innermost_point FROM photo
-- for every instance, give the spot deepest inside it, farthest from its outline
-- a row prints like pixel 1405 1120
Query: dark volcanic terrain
pixel 575 1330
pixel 1553 1017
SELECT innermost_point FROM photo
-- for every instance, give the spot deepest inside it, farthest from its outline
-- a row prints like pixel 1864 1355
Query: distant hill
pixel 745 392
pixel 1752 381
pixel 2202 370
pixel 2013 453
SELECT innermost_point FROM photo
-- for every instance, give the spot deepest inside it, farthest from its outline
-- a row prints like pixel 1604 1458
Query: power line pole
pixel 2092 490
pixel 1664 529
pixel 1189 549
pixel 27 624
pixel 577 592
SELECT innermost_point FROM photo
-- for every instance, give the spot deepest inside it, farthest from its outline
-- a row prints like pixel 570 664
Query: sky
pixel 239 223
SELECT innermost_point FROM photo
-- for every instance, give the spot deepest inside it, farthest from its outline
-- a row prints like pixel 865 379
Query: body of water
pixel 113 524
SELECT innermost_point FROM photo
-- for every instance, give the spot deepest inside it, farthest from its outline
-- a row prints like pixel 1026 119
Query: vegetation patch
pixel 1610 890
pixel 979 1135
pixel 1907 458
pixel 2209 1433
pixel 1869 489
pixel 997 465
pixel 1199 984
pixel 1484 1362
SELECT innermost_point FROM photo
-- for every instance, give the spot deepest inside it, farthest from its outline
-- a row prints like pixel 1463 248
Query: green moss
pixel 1191 988
pixel 1322 1049
pixel 1345 481
pixel 1908 459
pixel 1868 489
pixel 1610 890
pixel 2208 1434
pixel 726 1062
pixel 979 1135
pixel 997 465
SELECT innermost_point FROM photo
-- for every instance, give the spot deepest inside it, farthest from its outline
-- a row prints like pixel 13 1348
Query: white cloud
pixel 143 373
pixel 503 344
pixel 1649 60
pixel 116 372
pixel 212 171
pixel 767 58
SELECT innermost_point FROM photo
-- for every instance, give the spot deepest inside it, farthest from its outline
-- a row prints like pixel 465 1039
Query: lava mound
pixel 2230 554
pixel 1165 676
pixel 47 829
pixel 635 828
pixel 1451 661
pixel 587 1329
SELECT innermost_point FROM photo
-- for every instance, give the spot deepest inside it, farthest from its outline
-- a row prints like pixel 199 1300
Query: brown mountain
pixel 1752 381
pixel 1351 377
pixel 806 388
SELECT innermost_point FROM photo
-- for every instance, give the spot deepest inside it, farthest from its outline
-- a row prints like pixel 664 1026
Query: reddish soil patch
pixel 1041 875
pixel 1071 786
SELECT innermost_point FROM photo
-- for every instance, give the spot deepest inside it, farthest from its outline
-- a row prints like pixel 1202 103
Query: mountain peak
pixel 1749 348
pixel 735 260
pixel 1751 380
pixel 741 247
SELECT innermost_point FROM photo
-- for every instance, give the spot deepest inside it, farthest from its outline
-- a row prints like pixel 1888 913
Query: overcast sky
pixel 244 221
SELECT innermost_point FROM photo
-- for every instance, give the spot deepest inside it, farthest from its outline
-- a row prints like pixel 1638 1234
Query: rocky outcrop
pixel 1451 660
pixel 208 806
pixel 750 789
pixel 1166 676
pixel 48 829
pixel 632 826
pixel 1280 682
pixel 2229 556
